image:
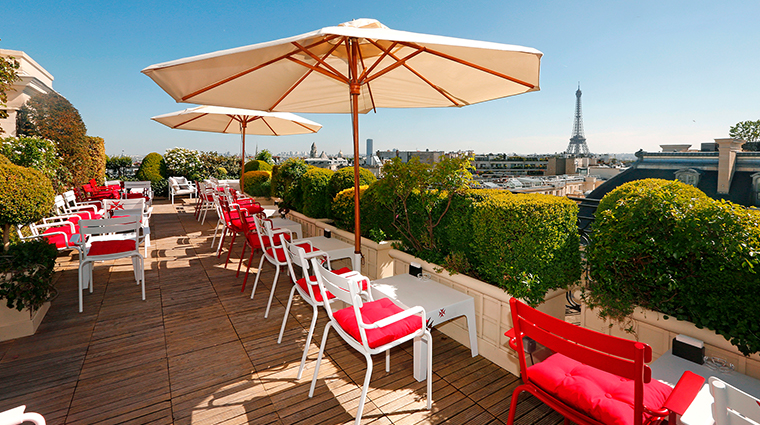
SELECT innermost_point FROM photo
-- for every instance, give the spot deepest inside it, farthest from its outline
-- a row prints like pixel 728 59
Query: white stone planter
pixel 16 324
pixel 376 262
pixel 492 313
pixel 650 327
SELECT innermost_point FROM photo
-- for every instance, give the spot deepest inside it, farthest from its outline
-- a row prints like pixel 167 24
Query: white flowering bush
pixel 36 153
pixel 183 162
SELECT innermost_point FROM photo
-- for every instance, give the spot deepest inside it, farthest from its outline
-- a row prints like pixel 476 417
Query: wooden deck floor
pixel 198 351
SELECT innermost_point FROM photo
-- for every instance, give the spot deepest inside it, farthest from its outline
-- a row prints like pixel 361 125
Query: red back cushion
pixel 605 397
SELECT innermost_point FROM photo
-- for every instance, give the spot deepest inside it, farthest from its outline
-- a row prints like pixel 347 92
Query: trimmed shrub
pixel 526 244
pixel 666 246
pixel 286 183
pixel 344 179
pixel 257 165
pixel 258 183
pixel 220 166
pixel 343 207
pixel 26 196
pixel 316 195
pixel 153 169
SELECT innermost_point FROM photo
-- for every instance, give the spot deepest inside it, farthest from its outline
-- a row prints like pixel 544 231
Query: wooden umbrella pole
pixel 355 89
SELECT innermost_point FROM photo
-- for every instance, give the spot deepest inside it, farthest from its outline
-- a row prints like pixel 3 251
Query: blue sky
pixel 652 72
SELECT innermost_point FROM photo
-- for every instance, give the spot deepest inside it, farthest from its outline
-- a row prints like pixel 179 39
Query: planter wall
pixel 493 316
pixel 650 327
pixel 16 324
pixel 376 261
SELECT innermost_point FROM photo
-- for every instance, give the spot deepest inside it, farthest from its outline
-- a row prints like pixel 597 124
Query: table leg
pixel 420 359
pixel 470 315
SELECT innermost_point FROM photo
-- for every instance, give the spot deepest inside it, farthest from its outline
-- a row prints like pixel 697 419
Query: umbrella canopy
pixel 218 119
pixel 352 68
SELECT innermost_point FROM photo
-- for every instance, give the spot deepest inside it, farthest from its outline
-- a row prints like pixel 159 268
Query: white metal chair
pixel 71 204
pixel 733 406
pixel 113 206
pixel 17 416
pixel 180 186
pixel 205 201
pixel 61 234
pixel 109 239
pixel 369 327
pixel 137 214
pixel 307 288
pixel 275 253
pixel 133 190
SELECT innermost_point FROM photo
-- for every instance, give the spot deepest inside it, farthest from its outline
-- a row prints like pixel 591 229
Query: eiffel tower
pixel 577 146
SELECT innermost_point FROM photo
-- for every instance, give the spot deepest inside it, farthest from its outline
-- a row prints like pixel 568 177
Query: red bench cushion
pixel 605 397
pixel 372 312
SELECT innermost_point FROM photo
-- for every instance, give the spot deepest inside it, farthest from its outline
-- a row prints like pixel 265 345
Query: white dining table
pixel 335 248
pixel 441 304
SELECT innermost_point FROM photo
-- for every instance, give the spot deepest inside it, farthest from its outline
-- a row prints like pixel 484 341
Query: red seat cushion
pixel 372 312
pixel 318 295
pixel 111 247
pixel 58 240
pixel 605 397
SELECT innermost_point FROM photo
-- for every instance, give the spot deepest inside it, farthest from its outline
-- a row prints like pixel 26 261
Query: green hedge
pixel 258 183
pixel 343 207
pixel 26 196
pixel 526 244
pixel 286 182
pixel 153 169
pixel 316 192
pixel 666 246
pixel 344 179
pixel 257 165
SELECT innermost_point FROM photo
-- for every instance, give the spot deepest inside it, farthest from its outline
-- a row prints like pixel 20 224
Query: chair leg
pixel 221 242
pixel 258 274
pixel 319 359
pixel 247 270
pixel 81 284
pixel 513 405
pixel 388 360
pixel 232 242
pixel 308 341
pixel 271 293
pixel 242 254
pixel 285 317
pixel 365 387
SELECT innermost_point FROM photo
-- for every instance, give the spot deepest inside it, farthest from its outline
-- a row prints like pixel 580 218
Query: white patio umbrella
pixel 352 68
pixel 218 119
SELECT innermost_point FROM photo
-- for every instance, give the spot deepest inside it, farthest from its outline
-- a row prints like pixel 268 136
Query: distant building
pixel 560 165
pixel 313 153
pixel 426 157
pixel 720 169
pixel 34 79
pixel 500 166
pixel 323 161
pixel 572 185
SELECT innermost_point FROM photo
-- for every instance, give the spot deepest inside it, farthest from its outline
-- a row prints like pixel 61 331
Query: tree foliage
pixel 181 162
pixel 26 274
pixel 153 169
pixel 118 163
pixel 285 182
pixel 257 165
pixel 8 75
pixel 316 194
pixel 418 192
pixel 749 131
pixel 265 156
pixel 217 165
pixel 344 179
pixel 51 116
pixel 40 154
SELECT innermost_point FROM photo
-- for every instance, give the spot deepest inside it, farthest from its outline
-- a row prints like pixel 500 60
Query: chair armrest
pixel 684 393
pixel 58 223
pixel 396 317
pixel 512 338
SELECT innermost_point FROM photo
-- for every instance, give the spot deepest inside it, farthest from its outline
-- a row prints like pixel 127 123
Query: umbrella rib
pixel 369 70
pixel 470 64
pixel 402 62
pixel 267 124
pixel 300 80
pixel 232 118
pixel 190 120
pixel 320 60
pixel 364 73
pixel 248 71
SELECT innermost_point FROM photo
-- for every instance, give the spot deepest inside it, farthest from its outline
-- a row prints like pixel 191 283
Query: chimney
pixel 727 149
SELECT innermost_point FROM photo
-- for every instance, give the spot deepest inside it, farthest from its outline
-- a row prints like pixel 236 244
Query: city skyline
pixel 651 73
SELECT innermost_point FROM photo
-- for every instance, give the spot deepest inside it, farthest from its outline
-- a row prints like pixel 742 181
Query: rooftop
pixel 198 351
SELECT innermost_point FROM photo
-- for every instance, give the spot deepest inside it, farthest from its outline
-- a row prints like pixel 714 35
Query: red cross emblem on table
pixel 441 312
pixel 116 206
